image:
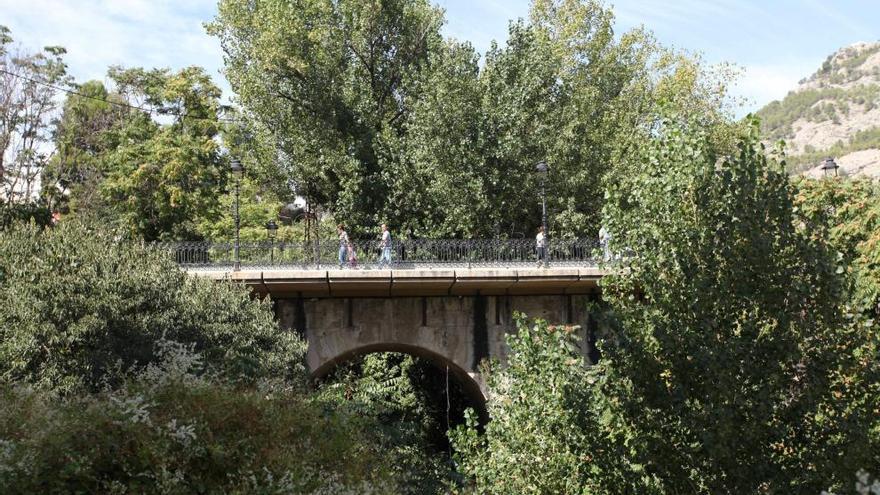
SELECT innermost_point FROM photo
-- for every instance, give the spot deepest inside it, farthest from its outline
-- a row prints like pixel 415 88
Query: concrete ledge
pixel 544 280
pixel 416 282
pixel 421 282
pixel 359 282
pixel 290 282
pixel 487 281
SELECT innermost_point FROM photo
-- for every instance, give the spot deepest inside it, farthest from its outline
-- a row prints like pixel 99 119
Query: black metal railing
pixel 418 253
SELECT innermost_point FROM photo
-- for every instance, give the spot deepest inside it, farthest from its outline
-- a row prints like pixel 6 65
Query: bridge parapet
pixel 407 254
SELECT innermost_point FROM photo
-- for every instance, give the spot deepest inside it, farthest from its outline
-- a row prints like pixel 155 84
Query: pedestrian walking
pixel 385 246
pixel 604 238
pixel 352 256
pixel 343 245
pixel 541 246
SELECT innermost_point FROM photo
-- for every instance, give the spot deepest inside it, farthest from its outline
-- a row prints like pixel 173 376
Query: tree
pixel 729 371
pixel 330 80
pixel 728 364
pixel 89 129
pixel 28 91
pixel 383 120
pixel 156 178
pixel 545 435
pixel 80 308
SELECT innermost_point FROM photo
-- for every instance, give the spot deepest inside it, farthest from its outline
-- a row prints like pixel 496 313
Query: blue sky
pixel 775 42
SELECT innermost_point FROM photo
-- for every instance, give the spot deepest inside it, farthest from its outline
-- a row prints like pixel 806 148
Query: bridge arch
pixel 470 382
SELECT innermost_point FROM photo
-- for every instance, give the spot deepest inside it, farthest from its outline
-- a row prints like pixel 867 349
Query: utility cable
pixel 118 103
pixel 449 444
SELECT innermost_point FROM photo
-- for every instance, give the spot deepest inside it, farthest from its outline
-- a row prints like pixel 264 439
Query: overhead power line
pixel 119 103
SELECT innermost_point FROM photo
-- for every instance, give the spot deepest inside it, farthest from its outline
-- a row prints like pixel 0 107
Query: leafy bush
pixel 846 214
pixel 407 399
pixel 168 431
pixel 78 308
pixel 544 436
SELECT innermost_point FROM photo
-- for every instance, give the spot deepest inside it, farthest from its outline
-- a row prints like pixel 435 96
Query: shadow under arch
pixel 469 385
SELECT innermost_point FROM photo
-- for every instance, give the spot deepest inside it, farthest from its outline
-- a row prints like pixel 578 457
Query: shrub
pixel 78 308
pixel 168 431
pixel 545 436
pixel 728 362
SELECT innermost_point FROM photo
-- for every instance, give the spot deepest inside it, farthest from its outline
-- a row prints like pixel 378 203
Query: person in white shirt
pixel 385 245
pixel 604 237
pixel 541 245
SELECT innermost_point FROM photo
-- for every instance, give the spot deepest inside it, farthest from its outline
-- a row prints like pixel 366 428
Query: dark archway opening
pixel 415 400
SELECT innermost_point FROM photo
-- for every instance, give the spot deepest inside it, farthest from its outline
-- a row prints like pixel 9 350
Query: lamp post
pixel 271 232
pixel 543 169
pixel 237 172
pixel 828 165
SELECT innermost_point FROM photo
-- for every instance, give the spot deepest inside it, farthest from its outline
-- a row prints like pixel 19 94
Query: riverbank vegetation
pixel 738 332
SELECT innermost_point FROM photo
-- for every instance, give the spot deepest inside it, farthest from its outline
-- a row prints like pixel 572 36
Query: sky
pixel 774 42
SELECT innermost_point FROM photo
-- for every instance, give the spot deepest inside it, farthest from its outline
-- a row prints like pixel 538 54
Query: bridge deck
pixel 281 282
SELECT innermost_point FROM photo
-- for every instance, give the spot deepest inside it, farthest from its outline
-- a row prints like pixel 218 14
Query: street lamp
pixel 543 169
pixel 828 165
pixel 271 232
pixel 237 172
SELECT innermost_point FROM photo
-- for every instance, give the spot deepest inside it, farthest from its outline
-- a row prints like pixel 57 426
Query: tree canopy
pixel 379 118
pixel 729 361
pixel 156 178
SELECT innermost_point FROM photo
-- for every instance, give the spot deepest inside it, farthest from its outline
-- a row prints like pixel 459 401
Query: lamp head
pixel 236 168
pixel 271 229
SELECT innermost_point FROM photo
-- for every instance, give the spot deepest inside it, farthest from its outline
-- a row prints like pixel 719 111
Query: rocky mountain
pixel 835 112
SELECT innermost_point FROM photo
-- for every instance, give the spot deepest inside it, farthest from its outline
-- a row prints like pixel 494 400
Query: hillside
pixel 835 112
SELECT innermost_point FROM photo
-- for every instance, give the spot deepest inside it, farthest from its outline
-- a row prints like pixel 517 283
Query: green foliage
pixel 382 120
pixel 89 129
pixel 152 179
pixel 727 363
pixel 167 431
pixel 545 435
pixel 846 214
pixel 733 370
pixel 402 395
pixel 80 308
pixel 330 80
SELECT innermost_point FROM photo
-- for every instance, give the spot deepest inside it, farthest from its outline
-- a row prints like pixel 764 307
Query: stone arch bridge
pixel 454 313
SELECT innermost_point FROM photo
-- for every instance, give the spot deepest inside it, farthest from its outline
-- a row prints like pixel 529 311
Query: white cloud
pixel 761 84
pixel 101 33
